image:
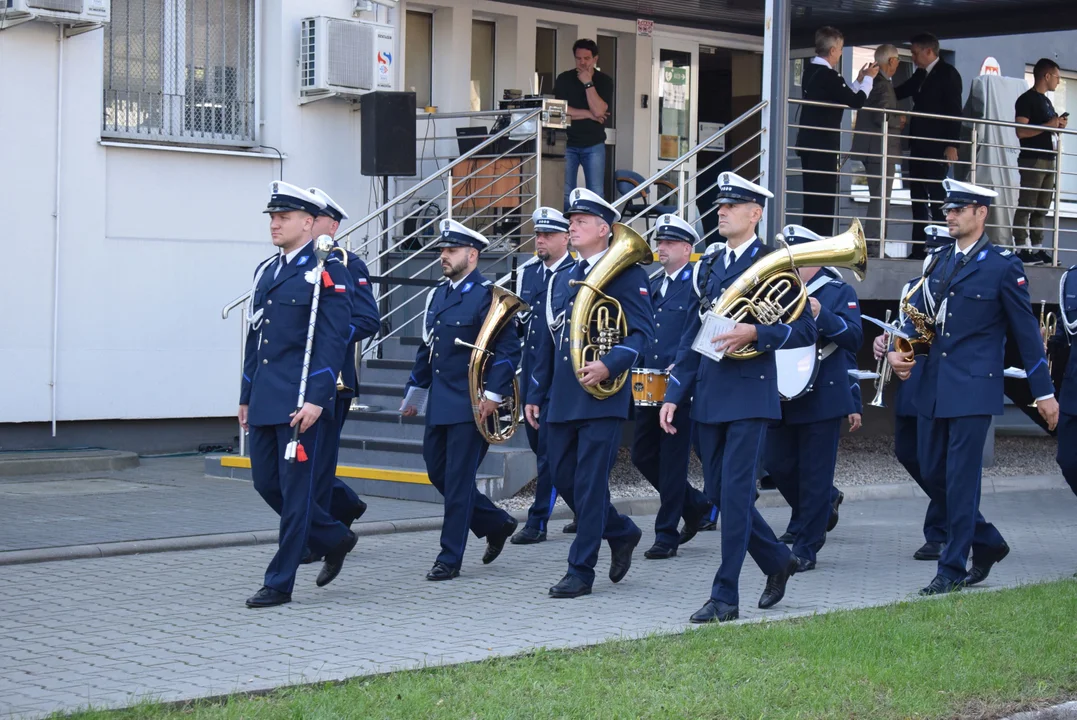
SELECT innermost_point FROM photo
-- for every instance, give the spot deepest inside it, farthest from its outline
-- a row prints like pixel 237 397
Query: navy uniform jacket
pixel 553 376
pixel 988 295
pixel 838 323
pixel 442 366
pixel 854 384
pixel 1067 398
pixel 275 346
pixel 532 290
pixel 905 394
pixel 734 389
pixel 365 316
pixel 671 311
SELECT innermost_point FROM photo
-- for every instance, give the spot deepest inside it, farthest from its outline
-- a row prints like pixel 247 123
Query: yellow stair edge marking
pixel 404 476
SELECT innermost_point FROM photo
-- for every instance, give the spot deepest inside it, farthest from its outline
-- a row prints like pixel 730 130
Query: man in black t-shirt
pixel 1037 161
pixel 589 93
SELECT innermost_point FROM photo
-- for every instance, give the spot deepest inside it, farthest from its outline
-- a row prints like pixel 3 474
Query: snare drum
pixel 649 386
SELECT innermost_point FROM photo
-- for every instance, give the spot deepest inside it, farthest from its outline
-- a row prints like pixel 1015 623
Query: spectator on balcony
pixel 819 139
pixel 868 141
pixel 588 92
pixel 935 88
pixel 1037 161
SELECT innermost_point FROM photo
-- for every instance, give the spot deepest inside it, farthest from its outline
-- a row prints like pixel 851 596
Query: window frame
pixel 159 138
pixel 492 22
pixel 430 68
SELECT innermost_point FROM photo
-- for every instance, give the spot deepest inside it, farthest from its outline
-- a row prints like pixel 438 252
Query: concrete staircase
pixel 381 452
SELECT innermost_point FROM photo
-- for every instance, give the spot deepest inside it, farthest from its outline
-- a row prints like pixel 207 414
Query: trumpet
pixel 885 372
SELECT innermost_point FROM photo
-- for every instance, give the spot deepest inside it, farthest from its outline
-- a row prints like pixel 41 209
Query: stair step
pixel 388 423
pixel 503 461
pixel 389 364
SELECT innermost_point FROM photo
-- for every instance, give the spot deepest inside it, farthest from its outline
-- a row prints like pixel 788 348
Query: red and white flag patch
pixel 1021 280
pixel 340 288
pixel 643 291
pixel 362 281
pixel 852 306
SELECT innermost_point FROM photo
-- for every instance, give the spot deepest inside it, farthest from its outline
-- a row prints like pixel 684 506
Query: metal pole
pixel 243 329
pixel 538 162
pixel 884 186
pixel 777 18
pixel 681 180
pixel 972 160
pixel 1058 197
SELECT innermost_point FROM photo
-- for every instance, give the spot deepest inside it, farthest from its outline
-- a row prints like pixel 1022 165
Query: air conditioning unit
pixel 76 13
pixel 344 57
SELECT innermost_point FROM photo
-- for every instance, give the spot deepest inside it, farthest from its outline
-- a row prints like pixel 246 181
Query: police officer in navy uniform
pixel 802 449
pixel 533 280
pixel 584 432
pixel 341 501
pixel 1067 419
pixel 276 342
pixel 905 419
pixel 660 457
pixel 976 292
pixel 452 445
pixel 732 402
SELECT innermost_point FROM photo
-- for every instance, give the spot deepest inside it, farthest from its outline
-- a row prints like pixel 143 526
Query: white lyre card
pixel 712 325
pixel 417 397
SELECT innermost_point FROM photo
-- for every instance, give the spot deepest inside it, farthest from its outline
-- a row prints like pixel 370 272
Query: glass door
pixel 673 109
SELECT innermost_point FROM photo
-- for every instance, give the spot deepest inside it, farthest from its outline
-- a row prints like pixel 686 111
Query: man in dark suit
pixel 935 88
pixel 818 139
pixel 868 141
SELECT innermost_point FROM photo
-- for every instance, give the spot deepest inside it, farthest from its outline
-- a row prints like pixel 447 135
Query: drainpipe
pixel 56 223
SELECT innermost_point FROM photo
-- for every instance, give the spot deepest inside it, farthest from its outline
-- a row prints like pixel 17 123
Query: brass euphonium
pixel 761 292
pixel 502 423
pixel 598 321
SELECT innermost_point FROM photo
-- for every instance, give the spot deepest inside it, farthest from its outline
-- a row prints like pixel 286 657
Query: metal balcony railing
pixel 987 156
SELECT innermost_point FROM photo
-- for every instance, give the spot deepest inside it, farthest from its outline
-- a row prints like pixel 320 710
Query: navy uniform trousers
pixel 801 459
pixel 538 515
pixel 292 491
pixel 1067 447
pixel 905 449
pixel 585 453
pixel 344 503
pixel 732 452
pixel 663 460
pixel 452 454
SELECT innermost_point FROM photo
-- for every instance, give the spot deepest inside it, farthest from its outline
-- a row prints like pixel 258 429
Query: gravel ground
pixel 861 461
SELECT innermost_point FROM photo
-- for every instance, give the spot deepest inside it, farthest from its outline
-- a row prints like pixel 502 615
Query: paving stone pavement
pixel 107 632
pixel 164 497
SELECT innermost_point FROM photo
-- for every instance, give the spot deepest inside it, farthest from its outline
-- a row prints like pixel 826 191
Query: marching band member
pixel 802 449
pixel 272 371
pixel 660 457
pixel 975 292
pixel 732 402
pixel 453 447
pixel 1067 421
pixel 533 281
pixel 584 431
pixel 342 502
pixel 905 419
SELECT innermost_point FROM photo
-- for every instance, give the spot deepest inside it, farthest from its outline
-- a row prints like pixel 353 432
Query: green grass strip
pixel 972 654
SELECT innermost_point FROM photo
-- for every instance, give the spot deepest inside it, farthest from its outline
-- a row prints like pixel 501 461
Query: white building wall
pixel 154 240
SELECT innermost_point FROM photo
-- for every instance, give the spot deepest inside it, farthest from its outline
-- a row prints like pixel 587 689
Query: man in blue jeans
pixel 589 93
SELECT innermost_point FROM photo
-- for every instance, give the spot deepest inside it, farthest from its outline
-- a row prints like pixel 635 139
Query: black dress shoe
pixel 495 542
pixel 357 512
pixel 775 590
pixel 621 558
pixel 528 536
pixel 788 538
pixel 441 571
pixel 942 585
pixel 660 552
pixel 928 551
pixel 309 558
pixel 268 597
pixel 833 521
pixel 691 527
pixel 334 560
pixel 570 528
pixel 570 586
pixel 706 524
pixel 804 564
pixel 983 560
pixel 715 611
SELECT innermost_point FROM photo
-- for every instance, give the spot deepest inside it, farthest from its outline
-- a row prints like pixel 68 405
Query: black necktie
pixel 281 265
pixel 546 276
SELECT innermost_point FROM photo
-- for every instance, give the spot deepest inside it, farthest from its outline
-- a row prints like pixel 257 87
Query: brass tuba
pixel 760 292
pixel 498 427
pixel 598 320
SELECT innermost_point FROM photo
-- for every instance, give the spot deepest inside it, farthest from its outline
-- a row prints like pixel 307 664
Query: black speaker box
pixel 387 142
